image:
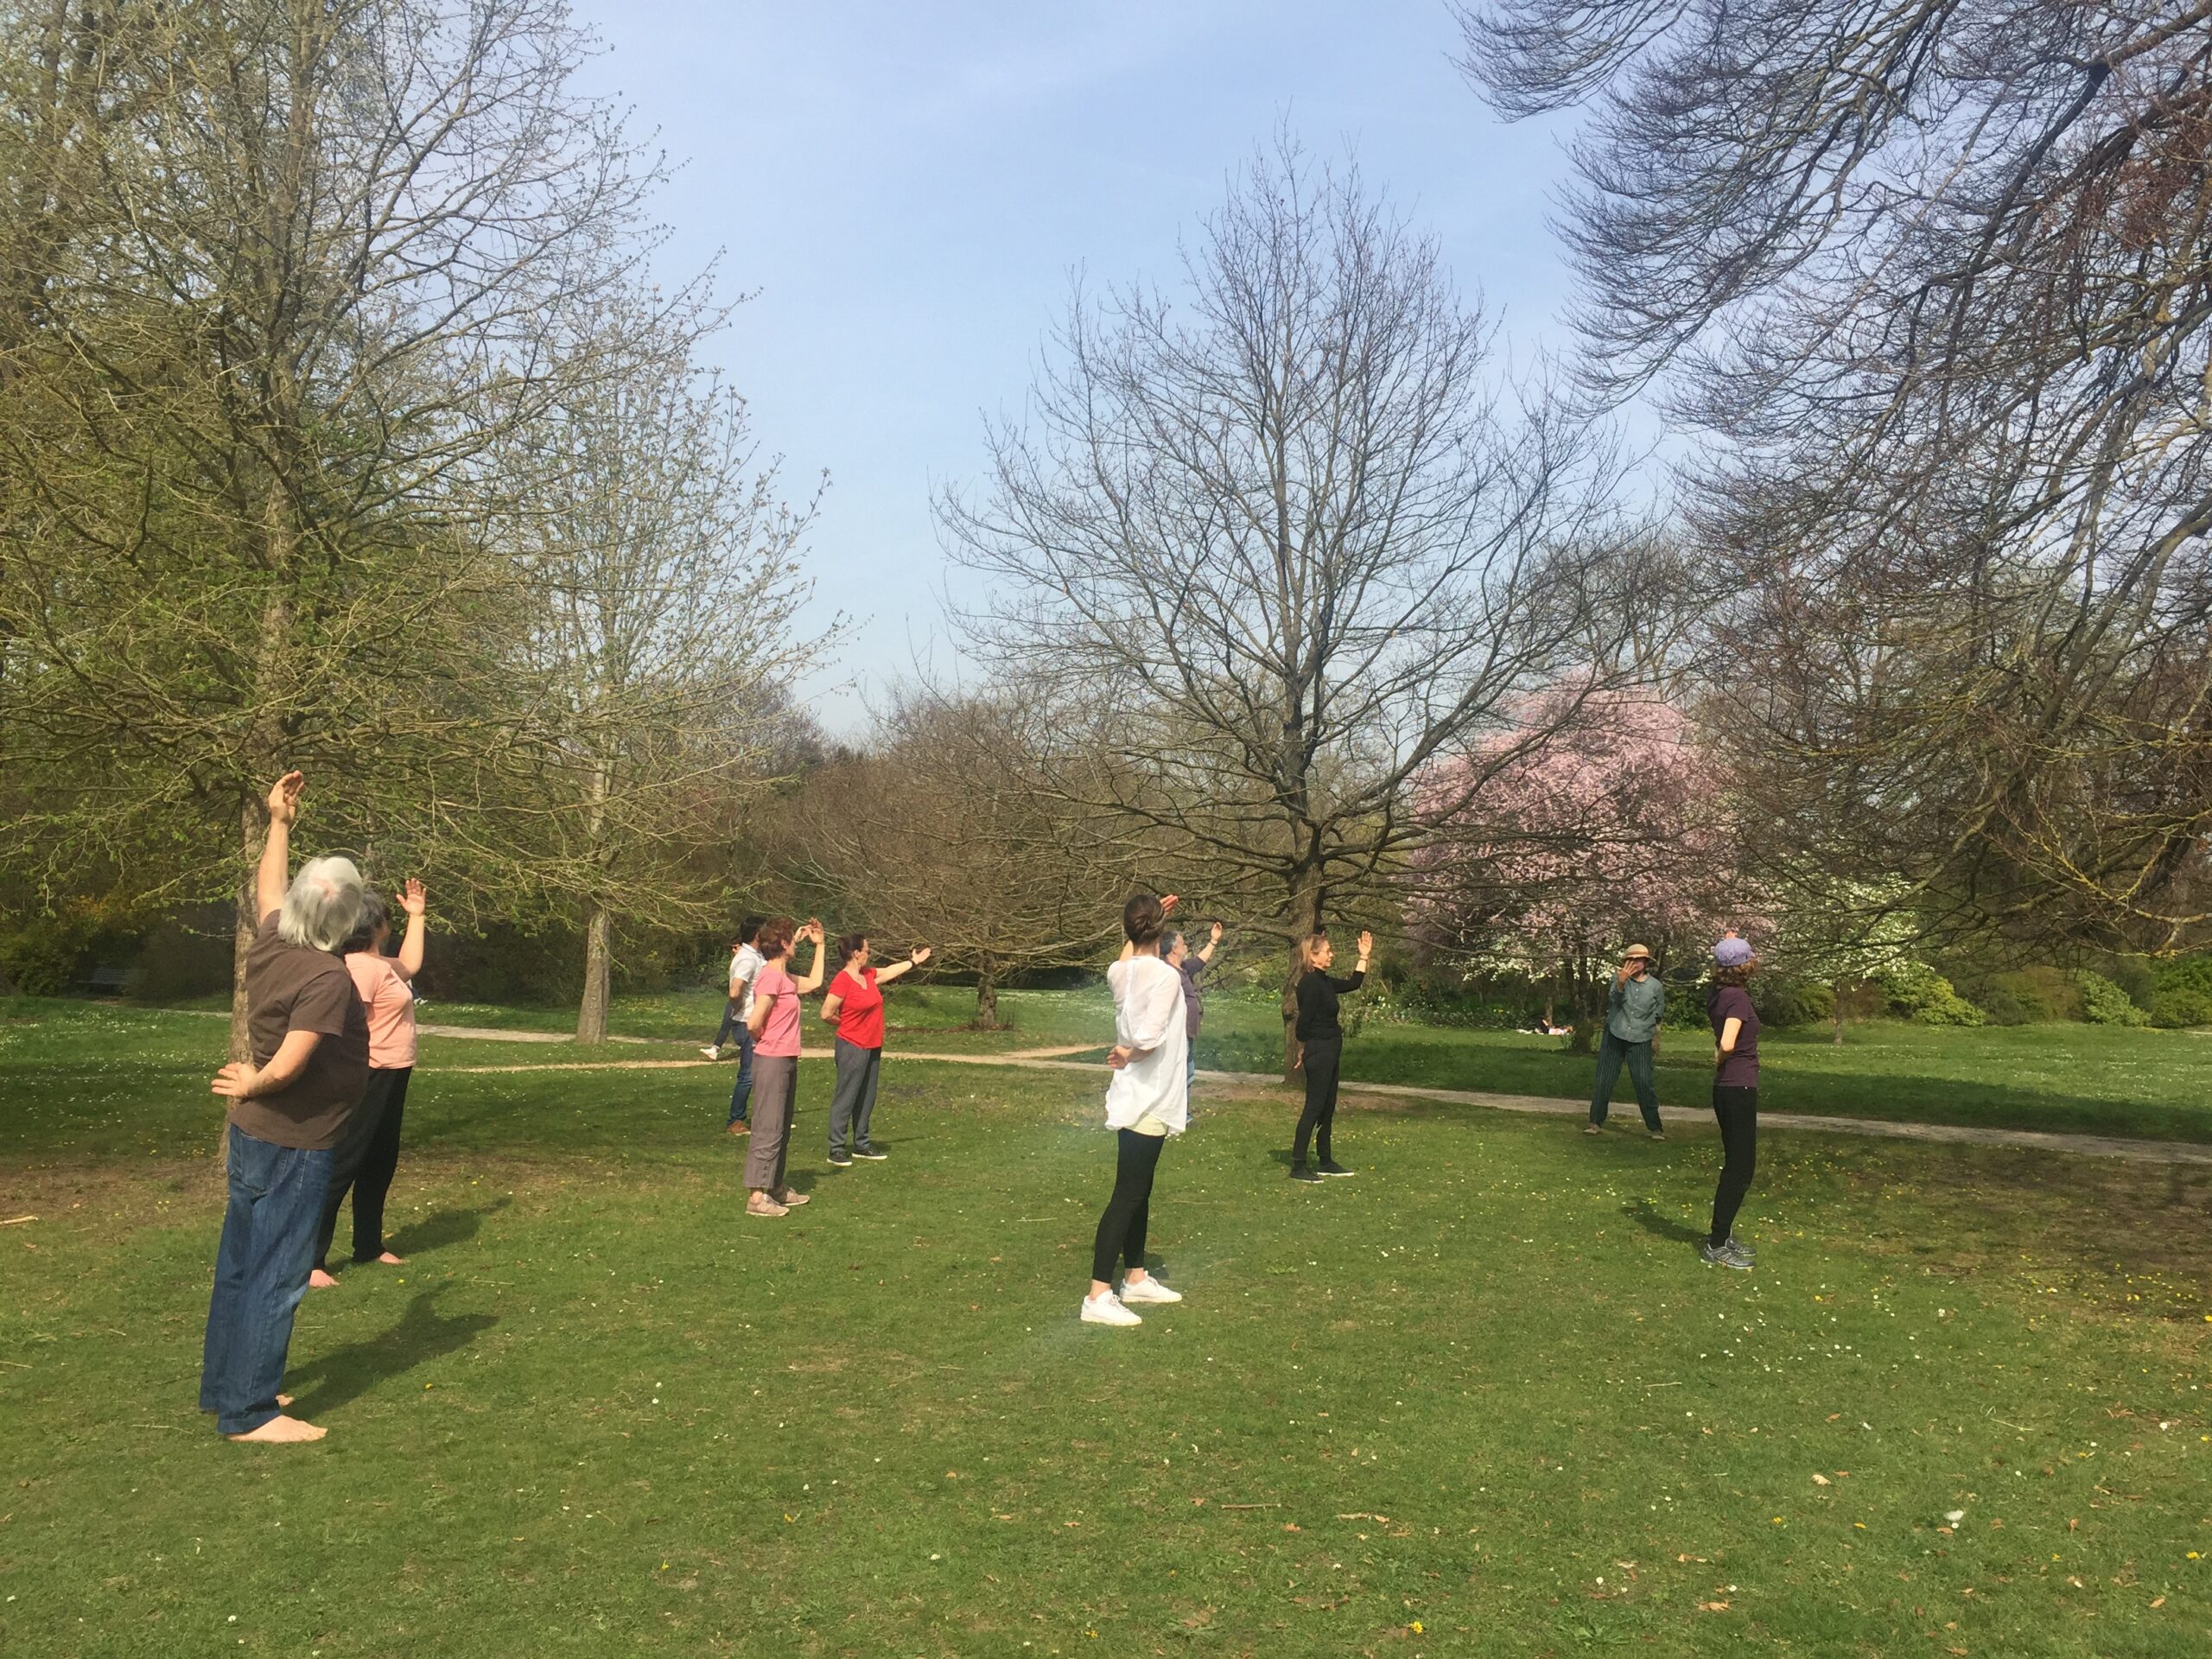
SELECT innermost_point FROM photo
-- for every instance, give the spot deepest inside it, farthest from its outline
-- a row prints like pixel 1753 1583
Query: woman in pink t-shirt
pixel 774 1024
pixel 854 1006
pixel 369 1155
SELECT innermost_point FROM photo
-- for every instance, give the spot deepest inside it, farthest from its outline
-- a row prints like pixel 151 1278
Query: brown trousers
pixel 775 1087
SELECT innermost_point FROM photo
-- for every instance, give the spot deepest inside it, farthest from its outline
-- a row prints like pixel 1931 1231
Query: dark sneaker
pixel 1300 1172
pixel 870 1154
pixel 839 1160
pixel 1330 1166
pixel 1722 1256
pixel 1740 1247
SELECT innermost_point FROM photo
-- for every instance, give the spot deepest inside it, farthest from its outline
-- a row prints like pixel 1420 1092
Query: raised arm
pixel 812 933
pixel 1212 944
pixel 1359 969
pixel 411 947
pixel 275 875
pixel 915 958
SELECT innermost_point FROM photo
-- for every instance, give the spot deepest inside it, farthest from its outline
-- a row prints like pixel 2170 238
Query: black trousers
pixel 365 1161
pixel 1324 1057
pixel 1738 1112
pixel 1121 1230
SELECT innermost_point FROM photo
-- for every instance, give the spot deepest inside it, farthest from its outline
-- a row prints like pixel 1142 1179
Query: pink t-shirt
pixel 390 1001
pixel 777 989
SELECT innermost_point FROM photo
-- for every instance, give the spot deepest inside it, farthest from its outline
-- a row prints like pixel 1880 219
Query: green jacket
pixel 1633 1008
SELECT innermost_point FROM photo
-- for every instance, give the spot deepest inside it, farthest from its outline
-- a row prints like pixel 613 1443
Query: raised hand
pixel 284 797
pixel 1215 933
pixel 1366 945
pixel 411 899
pixel 919 954
pixel 1168 902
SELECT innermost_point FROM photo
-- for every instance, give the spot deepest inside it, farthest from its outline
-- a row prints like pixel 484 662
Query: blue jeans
pixel 741 1095
pixel 1611 1051
pixel 261 1273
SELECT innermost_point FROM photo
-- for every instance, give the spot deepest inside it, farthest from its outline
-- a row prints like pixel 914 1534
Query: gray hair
pixel 321 904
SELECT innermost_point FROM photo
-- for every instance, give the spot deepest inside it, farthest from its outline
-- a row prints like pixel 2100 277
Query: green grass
pixel 1484 1388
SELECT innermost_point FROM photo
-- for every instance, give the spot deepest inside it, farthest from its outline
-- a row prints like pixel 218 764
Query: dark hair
pixel 1142 918
pixel 850 946
pixel 364 935
pixel 749 929
pixel 774 937
pixel 1734 973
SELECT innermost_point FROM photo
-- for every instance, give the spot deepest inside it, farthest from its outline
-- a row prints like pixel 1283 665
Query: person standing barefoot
pixel 1147 1099
pixel 1321 1048
pixel 1735 1095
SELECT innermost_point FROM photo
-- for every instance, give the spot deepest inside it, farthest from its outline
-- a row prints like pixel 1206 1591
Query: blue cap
pixel 1732 952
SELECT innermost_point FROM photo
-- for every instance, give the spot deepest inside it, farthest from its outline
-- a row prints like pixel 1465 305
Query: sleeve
pixel 323 1005
pixel 1350 982
pixel 1617 995
pixel 1153 1004
pixel 1193 970
pixel 1308 988
pixel 743 974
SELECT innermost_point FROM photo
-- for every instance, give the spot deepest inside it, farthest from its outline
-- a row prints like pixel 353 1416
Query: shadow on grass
pixel 343 1375
pixel 446 1226
pixel 1645 1214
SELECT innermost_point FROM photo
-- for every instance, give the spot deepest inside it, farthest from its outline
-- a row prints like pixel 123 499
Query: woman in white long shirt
pixel 1146 1100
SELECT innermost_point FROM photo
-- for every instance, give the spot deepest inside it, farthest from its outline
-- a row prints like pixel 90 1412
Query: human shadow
pixel 435 1232
pixel 1645 1214
pixel 343 1375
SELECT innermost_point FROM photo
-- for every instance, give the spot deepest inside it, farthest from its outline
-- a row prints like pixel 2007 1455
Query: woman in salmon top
pixel 369 1156
pixel 774 1024
pixel 854 1006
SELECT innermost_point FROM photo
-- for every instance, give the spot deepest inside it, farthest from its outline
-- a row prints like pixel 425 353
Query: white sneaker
pixel 712 1051
pixel 1106 1310
pixel 1148 1289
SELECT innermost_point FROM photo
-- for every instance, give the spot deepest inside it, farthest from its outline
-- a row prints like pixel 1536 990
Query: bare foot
pixel 392 1260
pixel 319 1279
pixel 281 1430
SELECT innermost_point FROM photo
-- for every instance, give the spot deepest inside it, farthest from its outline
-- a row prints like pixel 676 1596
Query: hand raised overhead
pixel 284 797
pixel 412 898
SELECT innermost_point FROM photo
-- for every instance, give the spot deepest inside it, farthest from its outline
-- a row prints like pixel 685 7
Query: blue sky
pixel 910 189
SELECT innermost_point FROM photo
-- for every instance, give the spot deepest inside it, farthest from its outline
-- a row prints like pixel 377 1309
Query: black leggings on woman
pixel 1121 1230
pixel 366 1160
pixel 1738 1112
pixel 1322 1057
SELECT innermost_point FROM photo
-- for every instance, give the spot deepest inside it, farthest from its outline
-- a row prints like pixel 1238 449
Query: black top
pixel 1316 1004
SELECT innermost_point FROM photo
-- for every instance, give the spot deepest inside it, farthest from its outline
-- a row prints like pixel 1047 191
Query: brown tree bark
pixel 591 1013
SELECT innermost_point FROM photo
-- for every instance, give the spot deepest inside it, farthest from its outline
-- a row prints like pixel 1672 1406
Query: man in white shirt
pixel 744 965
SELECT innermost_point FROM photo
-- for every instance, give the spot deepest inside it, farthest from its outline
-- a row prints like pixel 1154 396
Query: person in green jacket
pixel 1633 1008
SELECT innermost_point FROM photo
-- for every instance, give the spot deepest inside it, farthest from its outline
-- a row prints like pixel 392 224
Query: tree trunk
pixel 1838 989
pixel 986 1001
pixel 251 834
pixel 1306 904
pixel 591 1015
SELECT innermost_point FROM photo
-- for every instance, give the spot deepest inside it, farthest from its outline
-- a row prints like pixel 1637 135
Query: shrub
pixel 2104 1003
pixel 1915 991
pixel 2183 995
pixel 1793 1002
pixel 41 955
pixel 2046 994
pixel 2001 1008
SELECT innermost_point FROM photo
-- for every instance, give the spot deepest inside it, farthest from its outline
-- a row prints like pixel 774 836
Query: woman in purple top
pixel 1735 1093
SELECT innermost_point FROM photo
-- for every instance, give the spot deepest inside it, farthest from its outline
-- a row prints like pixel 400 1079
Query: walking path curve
pixel 1054 1060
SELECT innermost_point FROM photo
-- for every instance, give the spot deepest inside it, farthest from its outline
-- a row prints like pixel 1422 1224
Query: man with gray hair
pixel 289 1108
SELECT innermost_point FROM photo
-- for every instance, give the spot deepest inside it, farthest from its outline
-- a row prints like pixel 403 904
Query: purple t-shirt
pixel 1723 1003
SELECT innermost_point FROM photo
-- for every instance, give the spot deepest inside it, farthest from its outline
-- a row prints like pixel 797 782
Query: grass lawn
pixel 1481 1399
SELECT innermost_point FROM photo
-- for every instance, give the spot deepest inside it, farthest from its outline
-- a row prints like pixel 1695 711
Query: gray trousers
pixel 775 1081
pixel 853 1103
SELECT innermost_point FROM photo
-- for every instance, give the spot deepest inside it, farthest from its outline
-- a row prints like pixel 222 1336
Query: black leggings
pixel 1738 1112
pixel 366 1160
pixel 1322 1057
pixel 1121 1230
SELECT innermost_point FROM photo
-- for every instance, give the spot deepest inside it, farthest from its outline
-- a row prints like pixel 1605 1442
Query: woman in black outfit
pixel 1735 1095
pixel 1321 1047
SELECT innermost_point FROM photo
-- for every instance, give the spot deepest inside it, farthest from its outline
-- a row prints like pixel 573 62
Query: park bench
pixel 112 981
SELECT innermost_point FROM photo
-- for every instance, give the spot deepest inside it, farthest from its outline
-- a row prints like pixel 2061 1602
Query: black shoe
pixel 870 1154
pixel 1330 1166
pixel 1300 1172
pixel 839 1160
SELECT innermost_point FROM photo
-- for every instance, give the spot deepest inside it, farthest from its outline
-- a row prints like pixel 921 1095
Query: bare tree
pixel 1938 274
pixel 278 291
pixel 657 593
pixel 941 832
pixel 1287 545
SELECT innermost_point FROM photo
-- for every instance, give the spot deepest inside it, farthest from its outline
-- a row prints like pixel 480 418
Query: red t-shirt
pixel 860 1011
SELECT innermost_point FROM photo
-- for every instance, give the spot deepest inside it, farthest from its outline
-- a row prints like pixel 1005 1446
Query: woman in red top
pixel 854 1005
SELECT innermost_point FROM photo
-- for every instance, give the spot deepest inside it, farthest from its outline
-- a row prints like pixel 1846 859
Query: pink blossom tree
pixel 1559 838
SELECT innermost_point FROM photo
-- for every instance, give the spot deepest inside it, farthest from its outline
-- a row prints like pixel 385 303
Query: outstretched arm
pixel 275 875
pixel 914 959
pixel 411 947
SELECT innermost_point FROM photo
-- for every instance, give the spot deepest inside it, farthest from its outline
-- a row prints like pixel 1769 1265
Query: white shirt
pixel 744 968
pixel 1148 1014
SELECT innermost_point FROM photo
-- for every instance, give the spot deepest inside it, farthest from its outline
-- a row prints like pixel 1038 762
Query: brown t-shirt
pixel 290 987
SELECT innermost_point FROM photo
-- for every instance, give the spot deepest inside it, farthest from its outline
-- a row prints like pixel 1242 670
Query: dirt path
pixel 1053 1059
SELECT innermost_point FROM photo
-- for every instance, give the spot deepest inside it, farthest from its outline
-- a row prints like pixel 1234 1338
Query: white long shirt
pixel 1148 1014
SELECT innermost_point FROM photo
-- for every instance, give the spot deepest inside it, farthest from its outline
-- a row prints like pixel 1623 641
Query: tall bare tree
pixel 1288 542
pixel 276 292
pixel 657 585
pixel 1938 275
